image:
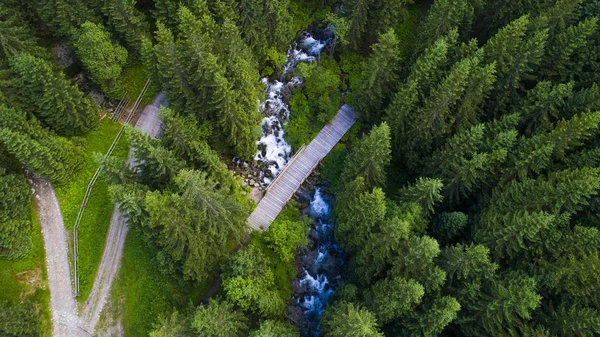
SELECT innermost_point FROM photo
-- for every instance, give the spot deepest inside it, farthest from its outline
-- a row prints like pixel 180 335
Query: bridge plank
pixel 300 168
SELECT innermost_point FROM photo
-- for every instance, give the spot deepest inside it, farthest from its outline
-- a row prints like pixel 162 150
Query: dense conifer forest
pixel 466 195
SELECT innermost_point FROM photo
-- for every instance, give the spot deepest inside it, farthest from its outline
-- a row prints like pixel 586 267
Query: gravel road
pixel 148 122
pixel 65 321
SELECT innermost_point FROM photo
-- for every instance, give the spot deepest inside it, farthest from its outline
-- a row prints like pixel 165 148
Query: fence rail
pixel 122 107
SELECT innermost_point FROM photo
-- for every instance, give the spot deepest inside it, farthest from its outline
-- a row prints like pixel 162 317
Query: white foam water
pixel 274 150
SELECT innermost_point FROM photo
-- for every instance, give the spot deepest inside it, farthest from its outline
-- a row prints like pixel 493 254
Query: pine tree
pixel 128 22
pixel 436 317
pixel 378 77
pixel 55 101
pixel 370 158
pixel 358 16
pixel 401 112
pixel 517 50
pixel 195 225
pixel 53 158
pixel 62 17
pixel 15 37
pixel 271 328
pixel 564 60
pixel 102 58
pixel 173 325
pixel 435 119
pixel 425 192
pixel 219 319
pixel 36 148
pixel 157 165
pixel 349 320
pixel 15 223
pixel 442 17
pixel 544 105
pixel 391 299
pixel 165 12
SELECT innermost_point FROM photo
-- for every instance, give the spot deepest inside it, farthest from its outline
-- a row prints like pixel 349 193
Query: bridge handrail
pixel 302 147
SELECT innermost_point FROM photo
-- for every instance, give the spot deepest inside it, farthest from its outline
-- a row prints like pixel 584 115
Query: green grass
pixel 32 268
pixel 96 218
pixel 146 291
pixel 134 79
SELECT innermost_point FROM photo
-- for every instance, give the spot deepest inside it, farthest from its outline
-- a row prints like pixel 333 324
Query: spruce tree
pixel 102 58
pixel 378 77
pixel 370 158
pixel 517 49
pixel 128 22
pixel 349 320
pixel 219 319
pixel 38 149
pixel 15 222
pixel 62 17
pixel 52 98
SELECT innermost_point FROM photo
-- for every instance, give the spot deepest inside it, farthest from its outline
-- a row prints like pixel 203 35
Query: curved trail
pixel 65 319
pixel 149 123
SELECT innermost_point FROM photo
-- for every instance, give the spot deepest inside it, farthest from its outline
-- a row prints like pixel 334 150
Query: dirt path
pixel 148 122
pixel 65 321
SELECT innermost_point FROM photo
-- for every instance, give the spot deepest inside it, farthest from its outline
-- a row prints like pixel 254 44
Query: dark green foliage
pixel 195 225
pixel 321 89
pixel 102 58
pixel 285 237
pixel 449 226
pixel 16 36
pixel 175 325
pixel 128 22
pixel 62 17
pixel 378 77
pixel 370 158
pixel 15 222
pixel 37 149
pixel 18 320
pixel 249 283
pixel 52 98
pixel 349 320
pixel 219 319
pixel 270 328
pixel 215 83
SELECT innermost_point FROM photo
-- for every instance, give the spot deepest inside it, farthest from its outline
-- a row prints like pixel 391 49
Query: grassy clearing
pixel 96 218
pixel 145 292
pixel 134 79
pixel 26 280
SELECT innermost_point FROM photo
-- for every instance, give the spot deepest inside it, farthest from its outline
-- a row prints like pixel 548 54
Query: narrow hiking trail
pixel 65 319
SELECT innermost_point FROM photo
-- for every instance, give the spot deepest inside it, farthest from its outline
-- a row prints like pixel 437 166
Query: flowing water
pixel 273 150
pixel 321 266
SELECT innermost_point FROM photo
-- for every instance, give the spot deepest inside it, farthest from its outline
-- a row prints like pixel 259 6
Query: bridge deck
pixel 299 168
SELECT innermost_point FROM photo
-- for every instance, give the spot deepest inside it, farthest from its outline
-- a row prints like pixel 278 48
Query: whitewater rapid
pixel 316 283
pixel 273 150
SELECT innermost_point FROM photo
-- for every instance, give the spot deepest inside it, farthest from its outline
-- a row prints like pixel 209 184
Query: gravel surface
pixel 148 122
pixel 65 321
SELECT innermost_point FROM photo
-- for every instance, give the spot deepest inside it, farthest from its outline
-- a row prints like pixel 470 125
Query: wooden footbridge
pixel 299 168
